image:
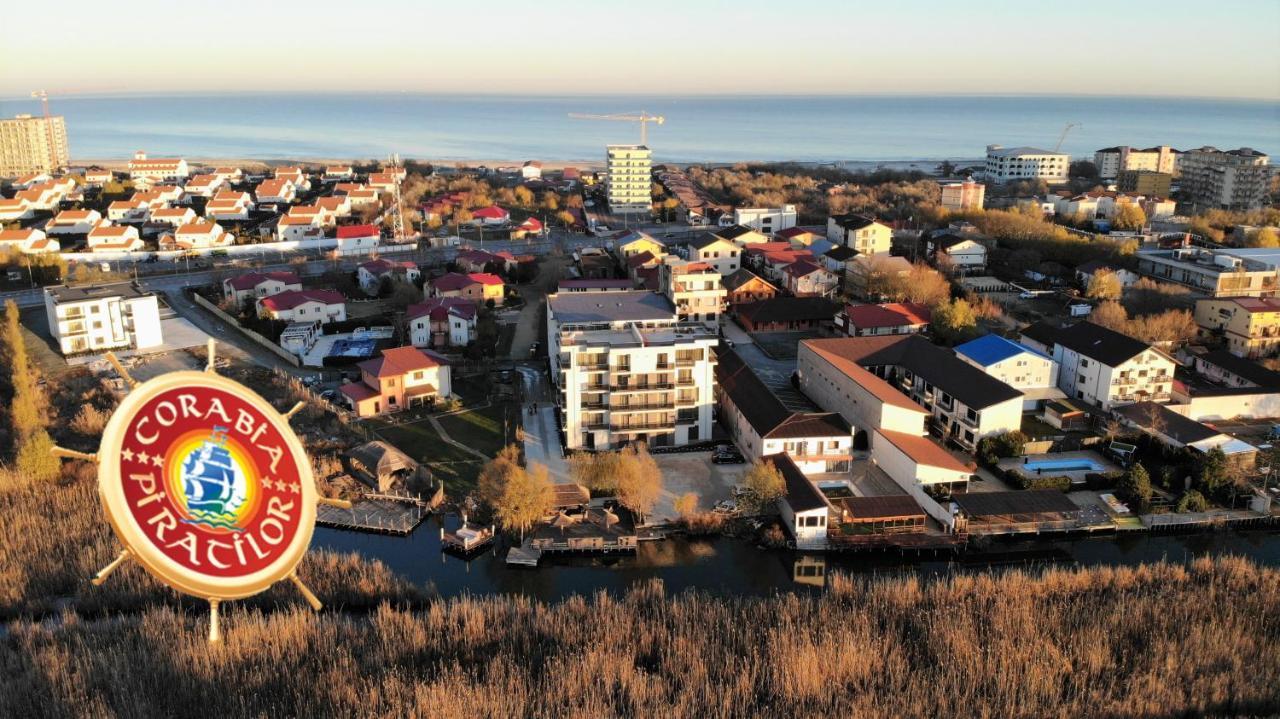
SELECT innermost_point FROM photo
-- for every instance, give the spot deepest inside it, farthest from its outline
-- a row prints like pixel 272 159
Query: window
pixel 1084 362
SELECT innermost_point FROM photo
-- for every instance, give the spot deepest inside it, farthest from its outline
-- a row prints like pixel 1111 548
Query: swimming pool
pixel 1063 465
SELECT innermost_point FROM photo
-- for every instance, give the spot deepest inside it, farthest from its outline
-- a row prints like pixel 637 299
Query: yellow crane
pixel 641 117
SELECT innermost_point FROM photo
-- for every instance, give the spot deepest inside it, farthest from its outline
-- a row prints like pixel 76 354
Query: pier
pixel 379 513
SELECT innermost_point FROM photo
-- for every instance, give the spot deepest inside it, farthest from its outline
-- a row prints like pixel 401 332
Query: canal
pixel 733 566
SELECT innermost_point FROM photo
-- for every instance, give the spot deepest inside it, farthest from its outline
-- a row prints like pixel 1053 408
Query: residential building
pixel 198 236
pixel 716 251
pixel 174 216
pixel 744 286
pixel 18 208
pixel 767 220
pixel 955 253
pixel 1232 370
pixel 695 290
pixel 402 378
pixel 800 236
pixel 229 206
pixel 1224 179
pixel 371 275
pixel 898 318
pixel 442 322
pixel 76 222
pixel 629 180
pixel 786 314
pixel 1145 182
pixel 1112 162
pixel 98 178
pixel 255 285
pixel 474 286
pixel 114 238
pixel 806 278
pixel 295 176
pixel 1249 326
pixel 864 234
pixel 157 168
pixel 29 241
pixel 97 318
pixel 1177 431
pixel 1225 272
pixel 626 369
pixel 1010 164
pixel 205 185
pixel 963 196
pixel 531 170
pixel 383 181
pixel 339 172
pixel 275 190
pixel 32 144
pixel 771 258
pixel 1085 272
pixel 490 216
pixel 1033 374
pixel 357 238
pixel 296 228
pixel 818 442
pixel 1228 387
pixel 634 242
pixel 1102 366
pixel 304 306
pixel 128 211
pixel 965 404
pixel 804 508
pixel 604 285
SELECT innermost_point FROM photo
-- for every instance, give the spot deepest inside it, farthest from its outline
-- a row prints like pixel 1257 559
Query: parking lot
pixel 694 472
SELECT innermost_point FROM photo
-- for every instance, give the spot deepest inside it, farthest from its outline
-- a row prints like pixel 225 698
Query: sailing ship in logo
pixel 213 484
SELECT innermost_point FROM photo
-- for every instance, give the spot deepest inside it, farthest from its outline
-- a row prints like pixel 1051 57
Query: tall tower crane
pixel 1063 136
pixel 640 116
pixel 43 97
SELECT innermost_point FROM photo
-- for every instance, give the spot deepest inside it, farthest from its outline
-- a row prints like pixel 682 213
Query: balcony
pixel 645 407
pixel 651 387
pixel 641 426
pixel 686 381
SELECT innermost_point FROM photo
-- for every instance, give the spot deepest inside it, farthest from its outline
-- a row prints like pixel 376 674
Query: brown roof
pixel 886 507
pixel 873 384
pixel 925 451
pixel 400 361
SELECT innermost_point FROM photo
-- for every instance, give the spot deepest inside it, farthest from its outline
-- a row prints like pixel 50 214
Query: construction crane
pixel 43 97
pixel 640 116
pixel 1063 136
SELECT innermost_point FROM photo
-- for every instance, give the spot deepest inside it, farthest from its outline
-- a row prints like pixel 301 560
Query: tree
pixel 1083 168
pixel 497 473
pixel 954 321
pixel 1213 475
pixel 1264 237
pixel 686 505
pixel 27 406
pixel 35 458
pixel 524 197
pixel 639 480
pixel 525 499
pixel 1111 315
pixel 1104 285
pixel 1192 501
pixel 1005 444
pixel 550 201
pixel 566 218
pixel 1129 216
pixel 1135 487
pixel 925 285
pixel 764 486
pixel 597 472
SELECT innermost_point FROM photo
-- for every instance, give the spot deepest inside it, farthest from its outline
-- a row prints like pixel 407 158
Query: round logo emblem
pixel 207 485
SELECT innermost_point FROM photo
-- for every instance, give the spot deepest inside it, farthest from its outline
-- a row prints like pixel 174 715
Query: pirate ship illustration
pixel 213 484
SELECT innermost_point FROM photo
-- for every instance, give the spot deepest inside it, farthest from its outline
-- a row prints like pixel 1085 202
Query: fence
pixel 217 311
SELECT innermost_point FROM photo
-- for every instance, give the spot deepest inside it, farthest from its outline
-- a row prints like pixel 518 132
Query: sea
pixel 818 129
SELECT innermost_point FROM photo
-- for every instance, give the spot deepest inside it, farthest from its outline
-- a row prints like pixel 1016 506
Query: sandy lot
pixel 694 472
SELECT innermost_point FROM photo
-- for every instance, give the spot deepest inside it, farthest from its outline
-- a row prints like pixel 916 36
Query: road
pixel 541 437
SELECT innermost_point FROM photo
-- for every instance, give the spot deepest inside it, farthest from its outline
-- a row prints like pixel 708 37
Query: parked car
pixel 727 455
pixel 727 506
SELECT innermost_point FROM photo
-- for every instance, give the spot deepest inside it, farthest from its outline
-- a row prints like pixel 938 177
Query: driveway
pixel 686 472
pixel 541 436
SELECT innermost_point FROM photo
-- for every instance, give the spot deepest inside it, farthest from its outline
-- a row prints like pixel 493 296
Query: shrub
pixel 1102 480
pixel 1135 487
pixel 89 421
pixel 1192 501
pixel 997 446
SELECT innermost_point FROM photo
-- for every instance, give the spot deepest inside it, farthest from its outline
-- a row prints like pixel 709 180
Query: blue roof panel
pixel 990 349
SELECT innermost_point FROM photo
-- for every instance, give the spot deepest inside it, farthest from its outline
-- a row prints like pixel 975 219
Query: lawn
pixel 456 468
pixel 482 429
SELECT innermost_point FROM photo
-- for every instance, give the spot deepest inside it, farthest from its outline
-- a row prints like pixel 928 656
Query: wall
pixel 267 248
pixel 291 359
pixel 1252 406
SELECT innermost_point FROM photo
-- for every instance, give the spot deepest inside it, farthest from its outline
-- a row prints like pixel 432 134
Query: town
pixel 581 359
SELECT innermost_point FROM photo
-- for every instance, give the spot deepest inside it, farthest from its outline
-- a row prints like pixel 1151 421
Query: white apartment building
pixel 1033 374
pixel 627 370
pixel 967 195
pixel 716 251
pixel 101 318
pixel 766 219
pixel 860 233
pixel 629 181
pixel 1111 161
pixel 157 168
pixel 1009 164
pixel 1225 179
pixel 695 290
pixel 32 144
pixel 1104 367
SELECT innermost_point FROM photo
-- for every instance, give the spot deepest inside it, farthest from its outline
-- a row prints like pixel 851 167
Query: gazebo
pixel 380 465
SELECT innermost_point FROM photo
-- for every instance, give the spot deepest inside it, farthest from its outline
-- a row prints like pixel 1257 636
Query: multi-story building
pixel 716 251
pixel 766 219
pixel 1145 182
pixel 1225 179
pixel 1033 374
pixel 1250 326
pixel 1102 366
pixel 157 168
pixel 101 318
pixel 629 183
pixel 32 144
pixel 628 370
pixel 967 195
pixel 1231 272
pixel 1112 161
pixel 441 322
pixel 1009 164
pixel 695 290
pixel 254 285
pixel 402 378
pixel 860 233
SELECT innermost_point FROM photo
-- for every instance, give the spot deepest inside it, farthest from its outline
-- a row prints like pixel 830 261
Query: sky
pixel 1226 48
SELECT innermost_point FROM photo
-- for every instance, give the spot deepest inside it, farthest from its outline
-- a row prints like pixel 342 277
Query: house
pixel 157 168
pixel 961 196
pixel 768 220
pixel 275 190
pixel 128 211
pixel 869 275
pixel 364 197
pixel 490 216
pixel 383 181
pixel 804 508
pixel 963 255
pixel 98 178
pixel 475 286
pixel 442 322
pixel 629 243
pixel 114 238
pixel 1248 326
pixel 199 236
pixel 645 265
pixel 1175 430
pixel 625 370
pixel 838 259
pixel 258 284
pixel 530 226
pixel 304 306
pixel 402 378
pixel 786 314
pixel 372 274
pixel 317 213
pixel 861 233
pixel 531 170
pixel 226 206
pixel 355 238
pixel 716 251
pixel 898 318
pixel 770 260
pixel 761 425
pixel 230 174
pixel 1033 374
pixel 695 289
pixel 475 260
pixel 741 236
pixel 296 176
pixel 205 185
pixel 1217 272
pixel 77 222
pixel 338 172
pixel 296 228
pixel 1232 370
pixel 28 242
pixel 174 216
pixel 743 286
pixel 98 318
pixel 1102 366
pixel 804 278
pixel 1085 272
pixel 18 208
pixel 1228 387
pixel 798 236
pixel 965 404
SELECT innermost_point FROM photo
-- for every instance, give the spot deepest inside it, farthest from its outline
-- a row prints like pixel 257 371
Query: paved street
pixel 541 438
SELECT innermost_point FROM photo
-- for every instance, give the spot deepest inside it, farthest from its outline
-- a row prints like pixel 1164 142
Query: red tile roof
pixel 898 314
pixel 290 299
pixel 400 361
pixel 438 308
pixel 357 231
pixel 925 451
pixel 492 212
pixel 253 279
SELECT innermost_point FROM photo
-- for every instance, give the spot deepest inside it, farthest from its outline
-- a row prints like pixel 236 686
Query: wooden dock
pixel 383 514
pixel 524 556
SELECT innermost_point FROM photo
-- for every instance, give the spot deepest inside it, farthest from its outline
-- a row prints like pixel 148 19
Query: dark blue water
pixel 697 129
pixel 735 567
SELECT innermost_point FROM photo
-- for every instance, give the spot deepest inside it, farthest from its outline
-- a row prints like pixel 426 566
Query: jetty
pixel 467 539
pixel 378 513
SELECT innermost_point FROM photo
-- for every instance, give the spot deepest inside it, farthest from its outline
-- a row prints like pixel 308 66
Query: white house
pixel 157 168
pixel 532 170
pixel 1085 272
pixel 228 206
pixel 961 254
pixel 718 252
pixel 206 185
pixel 199 235
pixel 29 241
pixel 128 211
pixel 277 190
pixel 339 172
pixel 442 321
pixel 294 228
pixel 175 216
pixel 98 178
pixel 304 306
pixel 1102 366
pixel 19 208
pixel 114 238
pixel 255 285
pixel 864 234
pixel 369 274
pixel 1033 374
pixel 77 222
pixel 102 317
pixel 355 238
pixel 804 278
pixel 766 219
pixel 804 508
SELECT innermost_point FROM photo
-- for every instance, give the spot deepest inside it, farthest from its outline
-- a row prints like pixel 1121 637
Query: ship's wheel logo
pixel 215 486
